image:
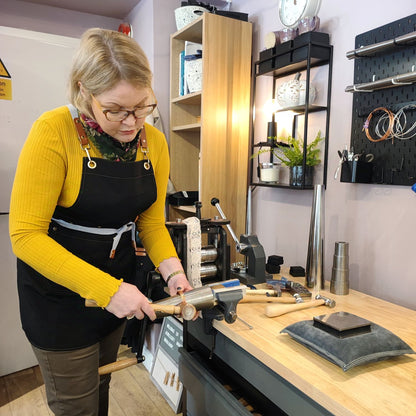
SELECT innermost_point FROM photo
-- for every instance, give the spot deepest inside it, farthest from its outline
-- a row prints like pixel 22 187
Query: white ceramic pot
pixel 187 14
pixel 293 93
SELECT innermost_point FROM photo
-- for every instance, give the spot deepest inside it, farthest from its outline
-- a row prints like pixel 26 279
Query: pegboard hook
pixel 358 89
pixel 396 82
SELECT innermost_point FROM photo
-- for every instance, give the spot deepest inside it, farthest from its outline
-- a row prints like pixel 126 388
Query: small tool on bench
pixel 277 310
pixel 267 292
pixel 267 299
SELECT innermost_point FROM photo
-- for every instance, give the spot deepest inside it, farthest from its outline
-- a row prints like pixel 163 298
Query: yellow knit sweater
pixel 49 174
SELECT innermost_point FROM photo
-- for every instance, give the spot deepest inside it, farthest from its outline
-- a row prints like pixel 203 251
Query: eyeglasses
pixel 120 115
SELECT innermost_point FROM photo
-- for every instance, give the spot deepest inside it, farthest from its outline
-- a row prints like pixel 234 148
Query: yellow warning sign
pixel 5 89
pixel 3 71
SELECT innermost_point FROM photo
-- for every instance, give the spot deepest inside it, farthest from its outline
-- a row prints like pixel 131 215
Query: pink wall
pixel 378 221
pixel 29 16
pixel 153 21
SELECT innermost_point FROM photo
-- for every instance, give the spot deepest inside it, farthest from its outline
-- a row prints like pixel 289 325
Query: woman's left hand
pixel 179 283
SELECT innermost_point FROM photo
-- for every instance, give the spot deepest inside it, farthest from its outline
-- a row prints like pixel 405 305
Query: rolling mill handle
pixel 277 310
pixel 215 202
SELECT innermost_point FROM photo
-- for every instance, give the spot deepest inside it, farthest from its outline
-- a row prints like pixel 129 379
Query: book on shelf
pixel 182 73
pixel 192 48
pixel 192 67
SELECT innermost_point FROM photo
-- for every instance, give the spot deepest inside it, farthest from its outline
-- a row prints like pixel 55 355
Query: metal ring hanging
pixel 92 164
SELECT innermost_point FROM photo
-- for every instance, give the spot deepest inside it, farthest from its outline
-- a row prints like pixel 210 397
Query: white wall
pixel 378 221
pixel 152 20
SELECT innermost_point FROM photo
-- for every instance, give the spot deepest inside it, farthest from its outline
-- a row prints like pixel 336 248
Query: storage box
pixel 183 198
pixel 284 47
pixel 266 66
pixel 283 60
pixel 356 171
pixel 233 15
pixel 311 37
pixel 317 52
pixel 267 53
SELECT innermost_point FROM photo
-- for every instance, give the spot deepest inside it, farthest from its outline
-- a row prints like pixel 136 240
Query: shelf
pixel 193 98
pixel 293 68
pixel 187 127
pixel 294 60
pixel 302 109
pixel 186 208
pixel 265 144
pixel 192 32
pixel 281 185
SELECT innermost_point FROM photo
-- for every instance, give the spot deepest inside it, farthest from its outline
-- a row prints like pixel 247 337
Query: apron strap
pixel 85 145
pixel 130 226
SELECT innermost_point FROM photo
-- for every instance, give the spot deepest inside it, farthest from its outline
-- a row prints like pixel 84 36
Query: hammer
pixel 225 293
pixel 277 310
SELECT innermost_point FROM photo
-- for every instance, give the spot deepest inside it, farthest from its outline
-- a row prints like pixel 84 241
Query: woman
pixel 87 175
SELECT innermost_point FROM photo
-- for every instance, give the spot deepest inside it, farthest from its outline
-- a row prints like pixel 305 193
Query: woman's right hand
pixel 129 301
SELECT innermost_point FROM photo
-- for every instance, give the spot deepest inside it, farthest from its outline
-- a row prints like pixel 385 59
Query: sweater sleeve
pixel 39 180
pixel 151 224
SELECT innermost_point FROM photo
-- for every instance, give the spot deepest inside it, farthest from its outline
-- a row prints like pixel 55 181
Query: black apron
pixel 111 195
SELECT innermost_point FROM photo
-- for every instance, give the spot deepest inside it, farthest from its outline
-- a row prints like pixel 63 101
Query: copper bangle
pixel 389 130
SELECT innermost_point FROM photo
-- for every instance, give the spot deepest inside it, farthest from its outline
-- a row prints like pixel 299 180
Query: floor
pixel 132 393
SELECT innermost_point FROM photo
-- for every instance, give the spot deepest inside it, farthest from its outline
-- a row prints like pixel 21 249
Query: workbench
pixel 297 380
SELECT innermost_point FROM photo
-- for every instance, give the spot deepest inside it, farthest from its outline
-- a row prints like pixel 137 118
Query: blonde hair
pixel 104 58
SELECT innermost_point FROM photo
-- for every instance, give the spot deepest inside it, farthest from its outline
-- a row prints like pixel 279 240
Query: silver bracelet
pixel 174 274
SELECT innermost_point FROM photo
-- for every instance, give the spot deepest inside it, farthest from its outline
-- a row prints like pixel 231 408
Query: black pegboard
pixel 394 161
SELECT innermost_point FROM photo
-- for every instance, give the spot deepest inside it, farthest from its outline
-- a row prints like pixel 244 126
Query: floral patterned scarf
pixel 109 147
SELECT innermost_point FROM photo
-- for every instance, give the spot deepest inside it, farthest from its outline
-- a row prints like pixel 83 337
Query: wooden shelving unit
pixel 209 130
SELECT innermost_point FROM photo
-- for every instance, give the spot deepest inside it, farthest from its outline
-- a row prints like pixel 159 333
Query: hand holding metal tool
pixel 225 294
pixel 184 310
pixel 277 310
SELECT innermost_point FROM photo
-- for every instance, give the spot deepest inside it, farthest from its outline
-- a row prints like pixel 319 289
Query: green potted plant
pixel 291 155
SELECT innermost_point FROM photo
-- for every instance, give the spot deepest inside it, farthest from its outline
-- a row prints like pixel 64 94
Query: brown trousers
pixel 73 386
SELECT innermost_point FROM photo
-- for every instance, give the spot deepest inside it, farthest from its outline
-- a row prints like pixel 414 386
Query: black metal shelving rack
pixel 301 54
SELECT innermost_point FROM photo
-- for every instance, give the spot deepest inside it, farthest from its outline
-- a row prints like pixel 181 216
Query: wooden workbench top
pixel 381 388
